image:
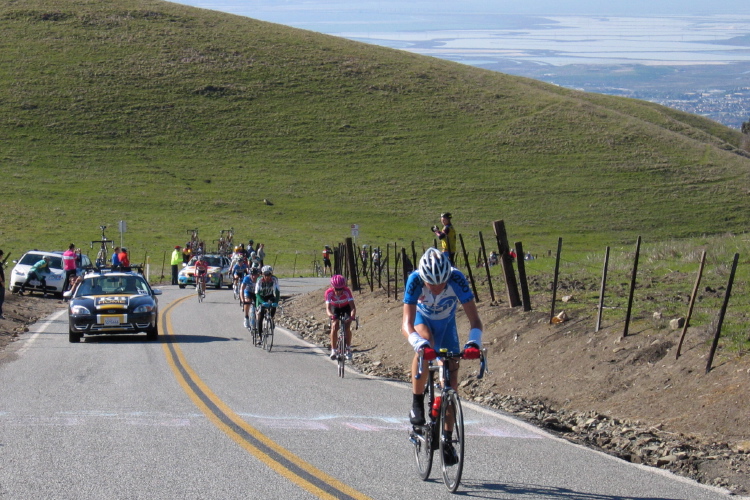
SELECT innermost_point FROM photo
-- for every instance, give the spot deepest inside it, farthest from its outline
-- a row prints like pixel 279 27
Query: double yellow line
pixel 279 459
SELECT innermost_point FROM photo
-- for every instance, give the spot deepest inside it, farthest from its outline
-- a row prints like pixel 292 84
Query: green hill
pixel 171 118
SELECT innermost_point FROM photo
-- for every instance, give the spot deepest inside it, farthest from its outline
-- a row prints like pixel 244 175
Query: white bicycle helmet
pixel 434 267
pixel 267 270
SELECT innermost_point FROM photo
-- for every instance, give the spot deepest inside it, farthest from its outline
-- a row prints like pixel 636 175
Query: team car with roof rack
pixel 113 303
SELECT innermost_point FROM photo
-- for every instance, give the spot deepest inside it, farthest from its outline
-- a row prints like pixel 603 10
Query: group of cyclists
pixel 431 298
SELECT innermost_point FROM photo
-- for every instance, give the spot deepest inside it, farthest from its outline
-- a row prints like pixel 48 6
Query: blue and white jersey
pixel 442 306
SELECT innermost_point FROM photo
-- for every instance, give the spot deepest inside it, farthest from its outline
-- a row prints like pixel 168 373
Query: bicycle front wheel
pixel 342 348
pixel 200 292
pixel 452 452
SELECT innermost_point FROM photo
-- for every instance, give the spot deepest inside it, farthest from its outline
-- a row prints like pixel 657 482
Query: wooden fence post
pixel 692 303
pixel 632 287
pixel 387 270
pixel 522 277
pixel 601 291
pixel 507 263
pixel 483 256
pixel 468 268
pixel 722 313
pixel 554 281
pixel 350 258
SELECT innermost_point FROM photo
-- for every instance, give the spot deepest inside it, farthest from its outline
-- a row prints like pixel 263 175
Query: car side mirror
pixel 156 291
pixel 67 294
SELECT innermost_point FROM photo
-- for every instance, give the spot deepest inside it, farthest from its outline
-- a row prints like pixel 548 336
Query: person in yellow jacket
pixel 176 261
pixel 447 236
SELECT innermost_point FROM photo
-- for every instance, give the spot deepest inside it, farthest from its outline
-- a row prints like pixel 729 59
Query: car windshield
pixel 32 258
pixel 212 260
pixel 105 285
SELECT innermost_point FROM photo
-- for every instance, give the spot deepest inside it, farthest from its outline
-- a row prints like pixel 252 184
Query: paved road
pixel 203 414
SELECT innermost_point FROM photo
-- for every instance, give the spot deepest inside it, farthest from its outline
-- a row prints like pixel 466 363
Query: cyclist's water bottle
pixel 436 407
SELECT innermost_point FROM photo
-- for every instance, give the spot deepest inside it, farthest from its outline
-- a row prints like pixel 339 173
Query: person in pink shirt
pixel 340 303
pixel 70 259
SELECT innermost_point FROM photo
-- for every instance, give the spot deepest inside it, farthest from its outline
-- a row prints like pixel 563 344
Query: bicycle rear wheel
pixel 424 448
pixel 268 328
pixel 236 288
pixel 452 471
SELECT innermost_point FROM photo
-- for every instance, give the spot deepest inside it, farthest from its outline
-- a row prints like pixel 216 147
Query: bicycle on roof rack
pixel 101 256
pixel 225 241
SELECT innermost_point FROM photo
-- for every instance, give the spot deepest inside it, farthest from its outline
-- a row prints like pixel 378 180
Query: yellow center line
pixel 278 458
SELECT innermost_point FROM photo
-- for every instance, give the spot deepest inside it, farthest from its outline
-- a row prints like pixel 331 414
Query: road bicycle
pixel 266 328
pixel 442 407
pixel 102 259
pixel 317 269
pixel 200 286
pixel 341 344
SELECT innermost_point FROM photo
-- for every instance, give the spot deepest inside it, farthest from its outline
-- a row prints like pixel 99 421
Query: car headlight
pixel 145 308
pixel 79 310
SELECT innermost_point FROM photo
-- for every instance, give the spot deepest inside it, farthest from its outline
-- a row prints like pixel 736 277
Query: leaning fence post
pixel 483 256
pixel 601 291
pixel 554 281
pixel 632 286
pixel 692 303
pixel 468 268
pixel 722 313
pixel 522 277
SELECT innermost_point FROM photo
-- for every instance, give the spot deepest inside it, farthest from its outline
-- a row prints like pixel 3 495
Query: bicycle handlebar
pixel 444 354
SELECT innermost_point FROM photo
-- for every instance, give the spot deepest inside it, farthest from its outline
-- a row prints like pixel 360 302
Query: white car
pixel 55 277
pixel 218 272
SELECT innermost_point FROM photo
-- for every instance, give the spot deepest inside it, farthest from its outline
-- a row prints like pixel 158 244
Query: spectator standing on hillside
pixel 447 236
pixel 2 285
pixel 261 253
pixel 327 260
pixel 175 261
pixel 70 261
pixel 37 272
pixel 115 259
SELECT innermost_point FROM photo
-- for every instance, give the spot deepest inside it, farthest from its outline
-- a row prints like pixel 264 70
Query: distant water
pixel 471 33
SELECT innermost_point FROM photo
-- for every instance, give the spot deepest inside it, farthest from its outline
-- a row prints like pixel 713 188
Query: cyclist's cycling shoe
pixel 416 417
pixel 348 354
pixel 334 355
pixel 450 457
pixel 246 323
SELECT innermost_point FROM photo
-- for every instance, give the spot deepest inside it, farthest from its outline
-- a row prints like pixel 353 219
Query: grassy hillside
pixel 172 118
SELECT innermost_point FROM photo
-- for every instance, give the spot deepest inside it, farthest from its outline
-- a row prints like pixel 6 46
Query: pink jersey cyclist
pixel 340 302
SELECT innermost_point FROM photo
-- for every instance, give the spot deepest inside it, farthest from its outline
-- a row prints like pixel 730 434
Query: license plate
pixel 112 321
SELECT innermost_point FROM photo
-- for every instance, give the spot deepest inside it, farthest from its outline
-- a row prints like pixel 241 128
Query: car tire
pixel 219 284
pixel 152 333
pixel 181 286
pixel 74 337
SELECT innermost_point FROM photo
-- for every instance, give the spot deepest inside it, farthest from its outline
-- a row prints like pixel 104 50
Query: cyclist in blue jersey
pixel 431 298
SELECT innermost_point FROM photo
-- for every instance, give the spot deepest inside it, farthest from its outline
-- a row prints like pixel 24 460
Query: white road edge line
pixel 43 325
